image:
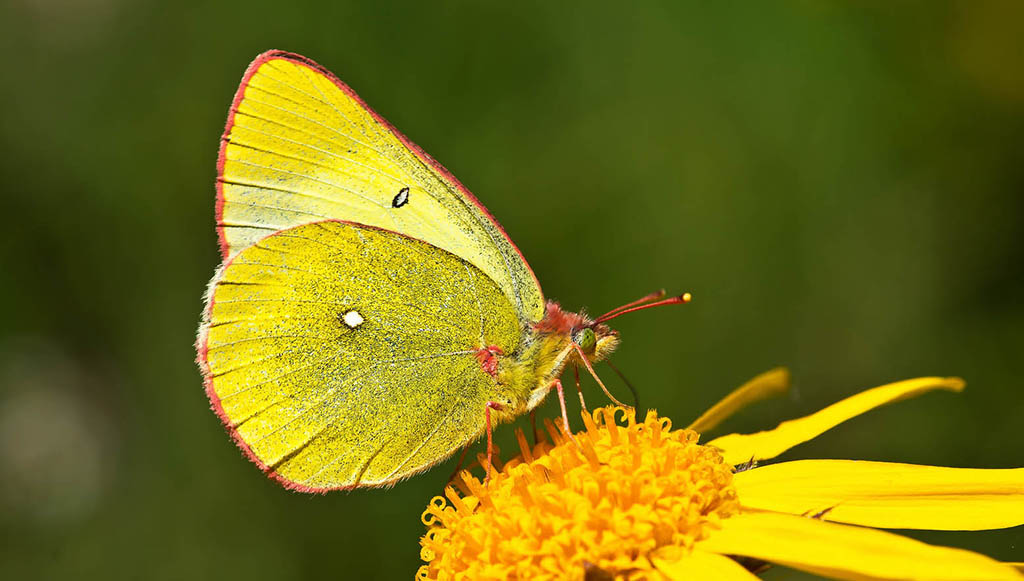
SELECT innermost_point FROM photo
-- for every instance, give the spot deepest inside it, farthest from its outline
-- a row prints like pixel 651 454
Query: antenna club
pixel 686 297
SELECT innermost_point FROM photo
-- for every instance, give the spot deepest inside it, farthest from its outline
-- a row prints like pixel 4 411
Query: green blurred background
pixel 841 188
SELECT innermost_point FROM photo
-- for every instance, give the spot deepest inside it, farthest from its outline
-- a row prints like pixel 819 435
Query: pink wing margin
pixel 417 150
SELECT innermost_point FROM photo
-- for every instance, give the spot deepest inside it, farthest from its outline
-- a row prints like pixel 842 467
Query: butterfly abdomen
pixel 527 374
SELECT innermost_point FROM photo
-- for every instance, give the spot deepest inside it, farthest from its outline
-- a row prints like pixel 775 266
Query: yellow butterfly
pixel 370 316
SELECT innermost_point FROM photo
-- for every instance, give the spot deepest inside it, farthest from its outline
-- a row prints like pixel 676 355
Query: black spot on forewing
pixel 401 198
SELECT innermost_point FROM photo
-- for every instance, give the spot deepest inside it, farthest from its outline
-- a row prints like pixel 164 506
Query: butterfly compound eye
pixel 586 339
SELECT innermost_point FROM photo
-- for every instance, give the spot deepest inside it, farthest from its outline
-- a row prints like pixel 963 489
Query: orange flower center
pixel 602 501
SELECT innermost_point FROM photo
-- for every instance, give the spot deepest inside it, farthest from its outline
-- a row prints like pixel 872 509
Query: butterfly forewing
pixel 343 355
pixel 300 147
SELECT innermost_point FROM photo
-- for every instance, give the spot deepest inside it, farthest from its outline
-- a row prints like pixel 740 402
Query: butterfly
pixel 370 316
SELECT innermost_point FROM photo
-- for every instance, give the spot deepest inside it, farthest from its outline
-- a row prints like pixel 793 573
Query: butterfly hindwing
pixel 300 147
pixel 343 355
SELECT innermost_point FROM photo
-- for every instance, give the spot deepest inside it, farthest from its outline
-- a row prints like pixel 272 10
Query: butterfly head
pixel 595 340
pixel 592 338
pixel 566 338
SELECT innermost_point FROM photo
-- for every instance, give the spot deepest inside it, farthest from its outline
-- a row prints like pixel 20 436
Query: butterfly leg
pixel 557 384
pixel 579 390
pixel 590 368
pixel 491 405
pixel 458 466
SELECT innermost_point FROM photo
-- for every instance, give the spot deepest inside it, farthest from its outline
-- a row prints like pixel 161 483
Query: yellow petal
pixel 1017 566
pixel 737 448
pixel 678 565
pixel 881 494
pixel 847 552
pixel 768 384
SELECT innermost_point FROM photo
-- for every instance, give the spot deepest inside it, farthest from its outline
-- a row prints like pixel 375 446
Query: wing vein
pixel 310 178
pixel 311 134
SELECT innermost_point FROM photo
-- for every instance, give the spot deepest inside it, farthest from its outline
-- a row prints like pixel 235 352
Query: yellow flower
pixel 629 499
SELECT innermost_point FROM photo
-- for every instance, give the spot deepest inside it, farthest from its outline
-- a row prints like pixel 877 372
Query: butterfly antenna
pixel 590 368
pixel 658 294
pixel 681 299
pixel 636 396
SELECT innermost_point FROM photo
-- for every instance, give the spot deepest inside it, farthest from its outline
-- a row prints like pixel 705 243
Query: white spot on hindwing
pixel 352 319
